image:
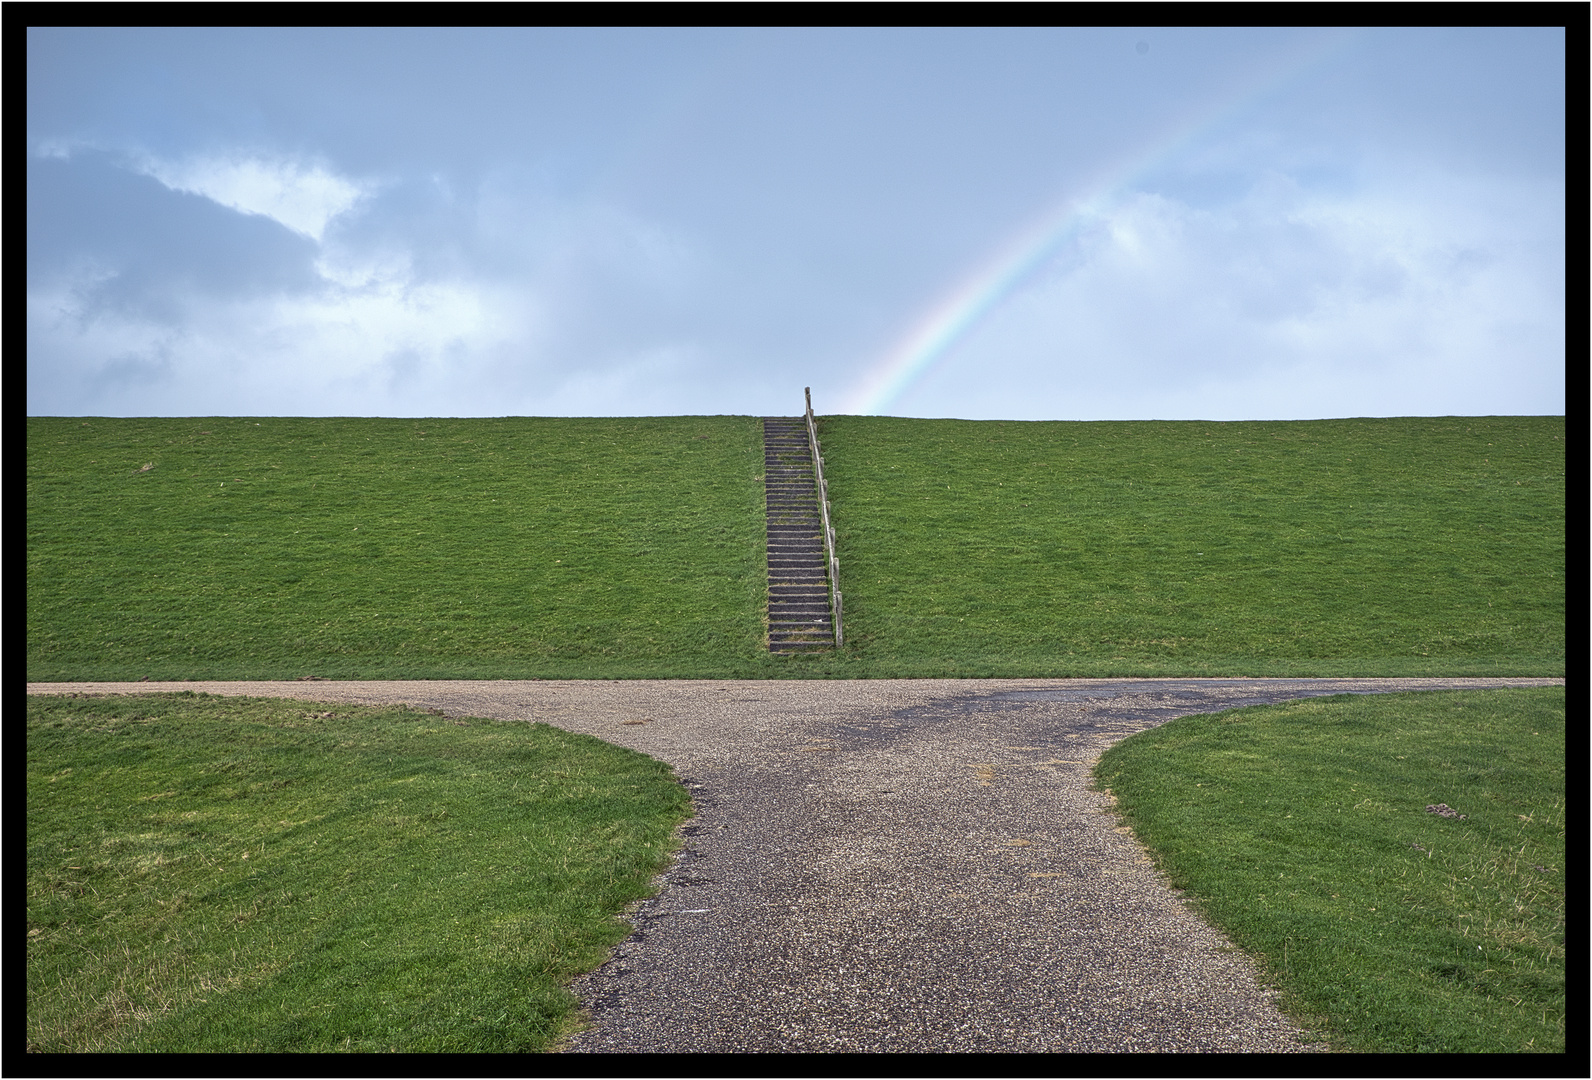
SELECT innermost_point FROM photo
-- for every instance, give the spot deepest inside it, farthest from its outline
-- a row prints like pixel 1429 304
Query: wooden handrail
pixel 833 564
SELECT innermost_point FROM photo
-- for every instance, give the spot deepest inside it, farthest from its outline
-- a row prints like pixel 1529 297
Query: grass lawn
pixel 230 548
pixel 1426 546
pixel 238 874
pixel 275 548
pixel 1301 831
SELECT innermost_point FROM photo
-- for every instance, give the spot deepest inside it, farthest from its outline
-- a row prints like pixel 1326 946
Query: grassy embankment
pixel 387 549
pixel 1301 831
pixel 1319 548
pixel 518 548
pixel 236 874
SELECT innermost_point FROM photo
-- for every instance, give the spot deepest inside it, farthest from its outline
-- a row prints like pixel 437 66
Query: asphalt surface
pixel 913 865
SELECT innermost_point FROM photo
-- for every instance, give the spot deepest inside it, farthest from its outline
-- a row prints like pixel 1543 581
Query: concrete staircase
pixel 800 618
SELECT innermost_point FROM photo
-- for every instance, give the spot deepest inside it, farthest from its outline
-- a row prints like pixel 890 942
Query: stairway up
pixel 799 614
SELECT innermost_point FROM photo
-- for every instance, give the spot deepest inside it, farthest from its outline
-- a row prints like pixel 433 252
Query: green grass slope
pixel 1338 547
pixel 624 548
pixel 275 548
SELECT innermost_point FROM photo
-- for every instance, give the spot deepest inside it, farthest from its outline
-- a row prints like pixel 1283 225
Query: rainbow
pixel 934 333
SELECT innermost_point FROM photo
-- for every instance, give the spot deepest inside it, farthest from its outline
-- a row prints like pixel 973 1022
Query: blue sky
pixel 1139 223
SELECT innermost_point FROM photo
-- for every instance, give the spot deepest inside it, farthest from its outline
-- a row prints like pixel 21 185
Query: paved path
pixel 914 865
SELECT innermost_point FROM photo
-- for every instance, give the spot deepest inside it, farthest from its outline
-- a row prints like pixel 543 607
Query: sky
pixel 1026 224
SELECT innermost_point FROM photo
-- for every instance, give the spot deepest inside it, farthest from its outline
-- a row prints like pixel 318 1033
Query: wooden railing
pixel 832 563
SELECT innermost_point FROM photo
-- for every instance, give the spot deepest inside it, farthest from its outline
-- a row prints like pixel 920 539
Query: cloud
pixel 410 349
pixel 139 310
pixel 1419 294
pixel 661 381
pixel 304 198
pixel 124 244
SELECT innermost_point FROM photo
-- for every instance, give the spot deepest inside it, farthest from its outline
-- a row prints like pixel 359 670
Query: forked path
pixel 913 865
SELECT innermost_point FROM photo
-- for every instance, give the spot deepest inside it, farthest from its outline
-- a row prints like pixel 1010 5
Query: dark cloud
pixel 133 246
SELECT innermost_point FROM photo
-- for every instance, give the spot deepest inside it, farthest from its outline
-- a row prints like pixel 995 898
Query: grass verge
pixel 244 874
pixel 1300 830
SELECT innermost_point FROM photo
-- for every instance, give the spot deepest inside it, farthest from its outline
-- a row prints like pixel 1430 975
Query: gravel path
pixel 914 865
